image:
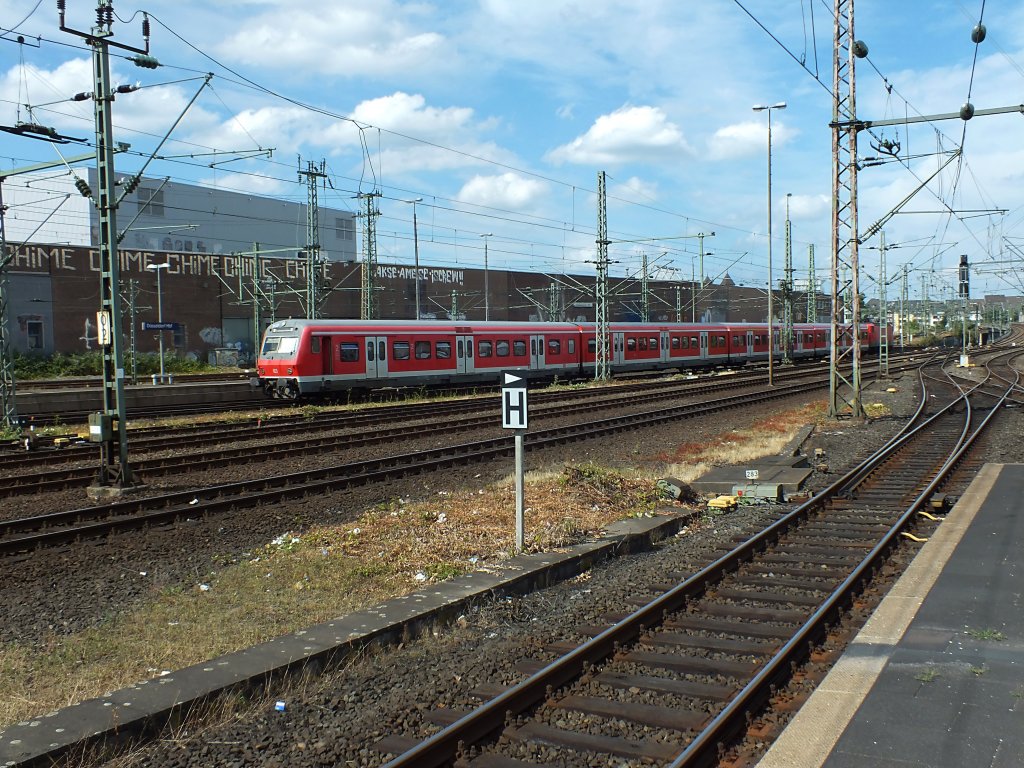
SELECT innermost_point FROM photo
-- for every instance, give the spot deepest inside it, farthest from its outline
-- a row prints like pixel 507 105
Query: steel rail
pixel 703 750
pixel 134 513
pixel 441 748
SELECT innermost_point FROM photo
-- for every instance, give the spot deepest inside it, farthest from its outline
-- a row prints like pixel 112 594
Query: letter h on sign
pixel 513 401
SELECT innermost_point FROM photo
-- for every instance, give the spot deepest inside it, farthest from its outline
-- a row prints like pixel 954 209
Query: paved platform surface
pixel 936 677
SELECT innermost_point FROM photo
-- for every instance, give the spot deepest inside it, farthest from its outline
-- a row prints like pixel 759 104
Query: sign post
pixel 514 416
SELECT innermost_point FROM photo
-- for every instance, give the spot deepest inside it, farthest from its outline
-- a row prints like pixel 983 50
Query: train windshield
pixel 280 345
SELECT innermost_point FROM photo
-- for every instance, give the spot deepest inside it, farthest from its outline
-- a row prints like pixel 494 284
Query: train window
pixel 592 345
pixel 460 350
pixel 736 341
pixel 282 345
pixel 642 343
pixel 400 350
pixel 348 352
pixel 369 351
pixel 693 342
pixel 654 342
pixel 501 348
pixel 314 345
pixel 443 350
pixel 676 343
pixel 518 348
pixel 485 348
pixel 533 346
pixel 631 344
pixel 554 347
pixel 572 347
pixel 422 350
pixel 381 350
pixel 469 347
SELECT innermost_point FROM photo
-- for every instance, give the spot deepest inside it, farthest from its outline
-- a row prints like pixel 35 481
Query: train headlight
pixel 290 371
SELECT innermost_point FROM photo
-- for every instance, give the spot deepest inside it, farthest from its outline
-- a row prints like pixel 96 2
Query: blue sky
pixel 500 113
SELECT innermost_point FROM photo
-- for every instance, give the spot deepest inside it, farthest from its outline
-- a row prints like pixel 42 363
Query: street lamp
pixel 159 310
pixel 416 251
pixel 487 289
pixel 771 330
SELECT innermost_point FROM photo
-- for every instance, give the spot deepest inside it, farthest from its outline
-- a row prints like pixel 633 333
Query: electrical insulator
pixel 61 5
pixel 144 61
pixel 132 184
pixel 126 88
pixel 145 26
pixel 83 96
pixel 83 187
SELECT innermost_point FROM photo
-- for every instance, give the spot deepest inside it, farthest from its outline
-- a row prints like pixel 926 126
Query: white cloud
pixel 627 134
pixel 430 131
pixel 807 206
pixel 509 191
pixel 636 188
pixel 341 38
pixel 747 138
pixel 151 110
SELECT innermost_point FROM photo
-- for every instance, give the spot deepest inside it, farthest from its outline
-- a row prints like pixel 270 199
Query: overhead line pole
pixel 844 393
pixel 109 428
pixel 601 285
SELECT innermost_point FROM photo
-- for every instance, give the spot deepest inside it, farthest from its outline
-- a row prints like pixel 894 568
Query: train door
pixel 665 341
pixel 327 354
pixel 618 351
pixel 536 352
pixel 703 345
pixel 376 357
pixel 750 344
pixel 464 353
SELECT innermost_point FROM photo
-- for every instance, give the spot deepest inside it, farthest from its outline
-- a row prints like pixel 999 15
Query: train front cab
pixel 279 363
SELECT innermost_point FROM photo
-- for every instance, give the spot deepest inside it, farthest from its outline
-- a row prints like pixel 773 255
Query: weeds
pixel 986 634
pixel 928 675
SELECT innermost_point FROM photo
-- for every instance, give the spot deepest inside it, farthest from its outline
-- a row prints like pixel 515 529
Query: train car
pixel 301 358
pixel 307 358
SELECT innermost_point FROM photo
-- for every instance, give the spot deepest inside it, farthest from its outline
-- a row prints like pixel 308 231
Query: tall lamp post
pixel 159 310
pixel 487 287
pixel 416 251
pixel 771 329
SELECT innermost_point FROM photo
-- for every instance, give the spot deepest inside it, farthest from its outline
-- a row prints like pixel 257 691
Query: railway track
pixel 297 435
pixel 26 534
pixel 676 681
pixel 384 395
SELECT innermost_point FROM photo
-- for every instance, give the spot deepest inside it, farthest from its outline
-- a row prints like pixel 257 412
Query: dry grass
pixel 304 578
pixel 764 437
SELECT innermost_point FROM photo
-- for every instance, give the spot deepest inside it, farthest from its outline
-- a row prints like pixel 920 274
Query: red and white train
pixel 308 358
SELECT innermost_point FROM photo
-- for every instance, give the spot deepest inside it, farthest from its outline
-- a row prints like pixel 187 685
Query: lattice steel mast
pixel 812 287
pixel 787 293
pixel 314 264
pixel 8 406
pixel 368 300
pixel 601 285
pixel 845 392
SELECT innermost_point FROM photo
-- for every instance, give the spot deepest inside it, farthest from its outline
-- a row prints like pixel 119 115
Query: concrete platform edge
pixel 115 720
pixel 812 734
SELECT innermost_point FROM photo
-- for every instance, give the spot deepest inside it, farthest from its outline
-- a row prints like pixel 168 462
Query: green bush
pixel 59 365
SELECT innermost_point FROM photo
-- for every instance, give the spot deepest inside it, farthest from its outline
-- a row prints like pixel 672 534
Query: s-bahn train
pixel 309 358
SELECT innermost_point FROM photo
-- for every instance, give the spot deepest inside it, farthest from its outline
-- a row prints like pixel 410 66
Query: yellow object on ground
pixel 723 502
